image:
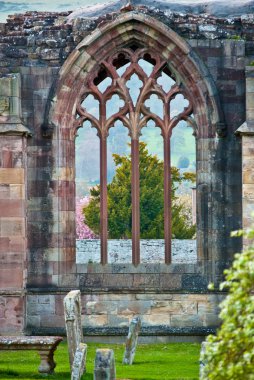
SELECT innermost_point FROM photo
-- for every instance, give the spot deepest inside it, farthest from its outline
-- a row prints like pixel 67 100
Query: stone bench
pixel 45 345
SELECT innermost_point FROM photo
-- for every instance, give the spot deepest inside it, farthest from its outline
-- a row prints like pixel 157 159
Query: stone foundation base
pixel 113 339
pixel 108 314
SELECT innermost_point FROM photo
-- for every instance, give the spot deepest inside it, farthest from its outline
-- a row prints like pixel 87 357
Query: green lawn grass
pixel 177 361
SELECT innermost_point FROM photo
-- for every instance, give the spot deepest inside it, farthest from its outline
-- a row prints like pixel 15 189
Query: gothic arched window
pixel 132 79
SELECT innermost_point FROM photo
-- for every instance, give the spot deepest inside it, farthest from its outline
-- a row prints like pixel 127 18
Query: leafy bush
pixel 230 354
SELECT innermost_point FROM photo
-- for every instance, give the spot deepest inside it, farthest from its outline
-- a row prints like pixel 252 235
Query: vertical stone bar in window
pixel 135 201
pixel 103 199
pixel 167 200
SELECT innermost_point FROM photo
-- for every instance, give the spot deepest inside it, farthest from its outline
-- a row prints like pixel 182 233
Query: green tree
pixel 151 200
pixel 230 354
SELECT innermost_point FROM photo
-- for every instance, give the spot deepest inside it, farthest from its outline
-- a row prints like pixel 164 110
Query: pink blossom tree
pixel 82 230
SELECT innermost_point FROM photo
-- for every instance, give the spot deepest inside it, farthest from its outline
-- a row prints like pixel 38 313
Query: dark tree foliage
pixel 151 200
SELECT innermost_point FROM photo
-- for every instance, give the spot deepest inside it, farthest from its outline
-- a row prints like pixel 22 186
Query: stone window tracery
pixel 125 89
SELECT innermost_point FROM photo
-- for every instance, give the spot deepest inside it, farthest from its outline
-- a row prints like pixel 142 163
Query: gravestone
pixel 132 340
pixel 202 362
pixel 104 365
pixel 72 313
pixel 79 363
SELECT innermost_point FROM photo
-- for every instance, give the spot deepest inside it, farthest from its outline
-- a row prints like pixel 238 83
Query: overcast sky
pixel 20 6
pixel 217 6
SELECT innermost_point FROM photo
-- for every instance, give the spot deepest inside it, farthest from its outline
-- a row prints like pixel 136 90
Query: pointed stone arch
pixel 190 71
pixel 142 29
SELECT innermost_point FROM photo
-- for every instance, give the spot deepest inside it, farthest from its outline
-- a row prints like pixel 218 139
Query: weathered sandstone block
pixel 132 340
pixel 79 363
pixel 104 365
pixel 72 312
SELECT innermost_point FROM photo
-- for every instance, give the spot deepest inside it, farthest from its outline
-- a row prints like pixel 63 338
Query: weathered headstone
pixel 79 363
pixel 104 365
pixel 202 362
pixel 72 311
pixel 132 340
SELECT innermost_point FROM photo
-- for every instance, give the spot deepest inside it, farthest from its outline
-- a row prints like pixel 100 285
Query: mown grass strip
pixel 173 361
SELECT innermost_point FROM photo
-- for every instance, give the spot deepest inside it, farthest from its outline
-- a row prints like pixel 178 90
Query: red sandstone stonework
pixel 50 59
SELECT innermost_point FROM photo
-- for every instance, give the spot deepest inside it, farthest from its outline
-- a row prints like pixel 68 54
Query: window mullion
pixel 103 199
pixel 167 200
pixel 135 201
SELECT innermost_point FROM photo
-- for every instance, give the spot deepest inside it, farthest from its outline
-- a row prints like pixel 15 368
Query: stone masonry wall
pixel 151 251
pixel 12 232
pixel 45 38
pixel 37 204
pixel 13 176
pixel 248 151
pixel 110 313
